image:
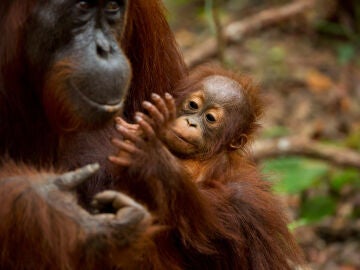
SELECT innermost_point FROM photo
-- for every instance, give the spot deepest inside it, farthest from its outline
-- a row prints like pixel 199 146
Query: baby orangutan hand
pixel 142 140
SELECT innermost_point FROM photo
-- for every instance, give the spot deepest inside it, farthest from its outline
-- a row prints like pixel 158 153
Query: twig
pixel 236 31
pixel 339 156
pixel 215 17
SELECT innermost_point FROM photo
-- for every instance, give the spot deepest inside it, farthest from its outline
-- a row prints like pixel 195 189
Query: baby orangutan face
pixel 204 117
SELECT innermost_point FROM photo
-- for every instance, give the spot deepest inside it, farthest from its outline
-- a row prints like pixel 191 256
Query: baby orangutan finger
pixel 120 121
pixel 146 127
pixel 155 114
pixel 127 147
pixel 161 105
pixel 131 136
pixel 121 161
pixel 170 103
pixel 146 119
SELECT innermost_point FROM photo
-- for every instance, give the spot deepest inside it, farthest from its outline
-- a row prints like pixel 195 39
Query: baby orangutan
pixel 200 184
pixel 217 115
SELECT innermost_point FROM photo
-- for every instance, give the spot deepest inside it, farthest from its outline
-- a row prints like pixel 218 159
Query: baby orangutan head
pixel 218 111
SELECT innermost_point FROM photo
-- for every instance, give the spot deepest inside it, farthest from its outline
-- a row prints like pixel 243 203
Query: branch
pixel 299 146
pixel 236 31
pixel 214 10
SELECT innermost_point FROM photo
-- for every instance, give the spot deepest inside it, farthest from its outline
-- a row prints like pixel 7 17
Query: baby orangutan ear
pixel 238 142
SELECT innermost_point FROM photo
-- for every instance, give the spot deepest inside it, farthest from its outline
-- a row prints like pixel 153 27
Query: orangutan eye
pixel 112 7
pixel 193 105
pixel 210 118
pixel 84 5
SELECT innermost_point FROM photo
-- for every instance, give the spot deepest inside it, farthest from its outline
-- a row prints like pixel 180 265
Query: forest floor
pixel 310 92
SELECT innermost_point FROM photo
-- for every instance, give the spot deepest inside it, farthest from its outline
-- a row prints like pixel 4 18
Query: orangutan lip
pixel 102 107
pixel 180 137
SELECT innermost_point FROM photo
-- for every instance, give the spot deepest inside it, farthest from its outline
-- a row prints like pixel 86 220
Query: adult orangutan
pixel 64 72
pixel 217 211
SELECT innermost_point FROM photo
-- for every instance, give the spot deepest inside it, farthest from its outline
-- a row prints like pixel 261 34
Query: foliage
pixel 299 176
pixel 342 178
pixel 294 174
pixel 314 209
pixel 344 25
pixel 275 132
pixel 353 140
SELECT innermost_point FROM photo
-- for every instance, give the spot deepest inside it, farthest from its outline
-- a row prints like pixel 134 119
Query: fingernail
pixel 146 104
pixel 155 96
pixel 121 128
pixel 93 167
pixel 138 118
pixel 167 95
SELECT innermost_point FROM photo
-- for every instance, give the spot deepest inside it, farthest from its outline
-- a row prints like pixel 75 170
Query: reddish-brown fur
pixel 220 223
pixel 32 234
pixel 218 211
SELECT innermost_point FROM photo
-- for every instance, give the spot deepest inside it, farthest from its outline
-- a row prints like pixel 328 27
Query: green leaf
pixel 341 178
pixel 317 208
pixel 345 53
pixel 293 175
pixel 297 223
pixel 331 28
pixel 275 132
pixel 277 54
pixel 353 140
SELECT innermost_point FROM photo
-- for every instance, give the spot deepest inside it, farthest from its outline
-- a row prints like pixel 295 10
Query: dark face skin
pixel 204 116
pixel 79 38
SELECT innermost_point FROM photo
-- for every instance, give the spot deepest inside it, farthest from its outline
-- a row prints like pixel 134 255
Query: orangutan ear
pixel 238 142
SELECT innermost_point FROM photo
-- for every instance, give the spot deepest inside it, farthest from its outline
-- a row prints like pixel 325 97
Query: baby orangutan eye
pixel 210 118
pixel 193 105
